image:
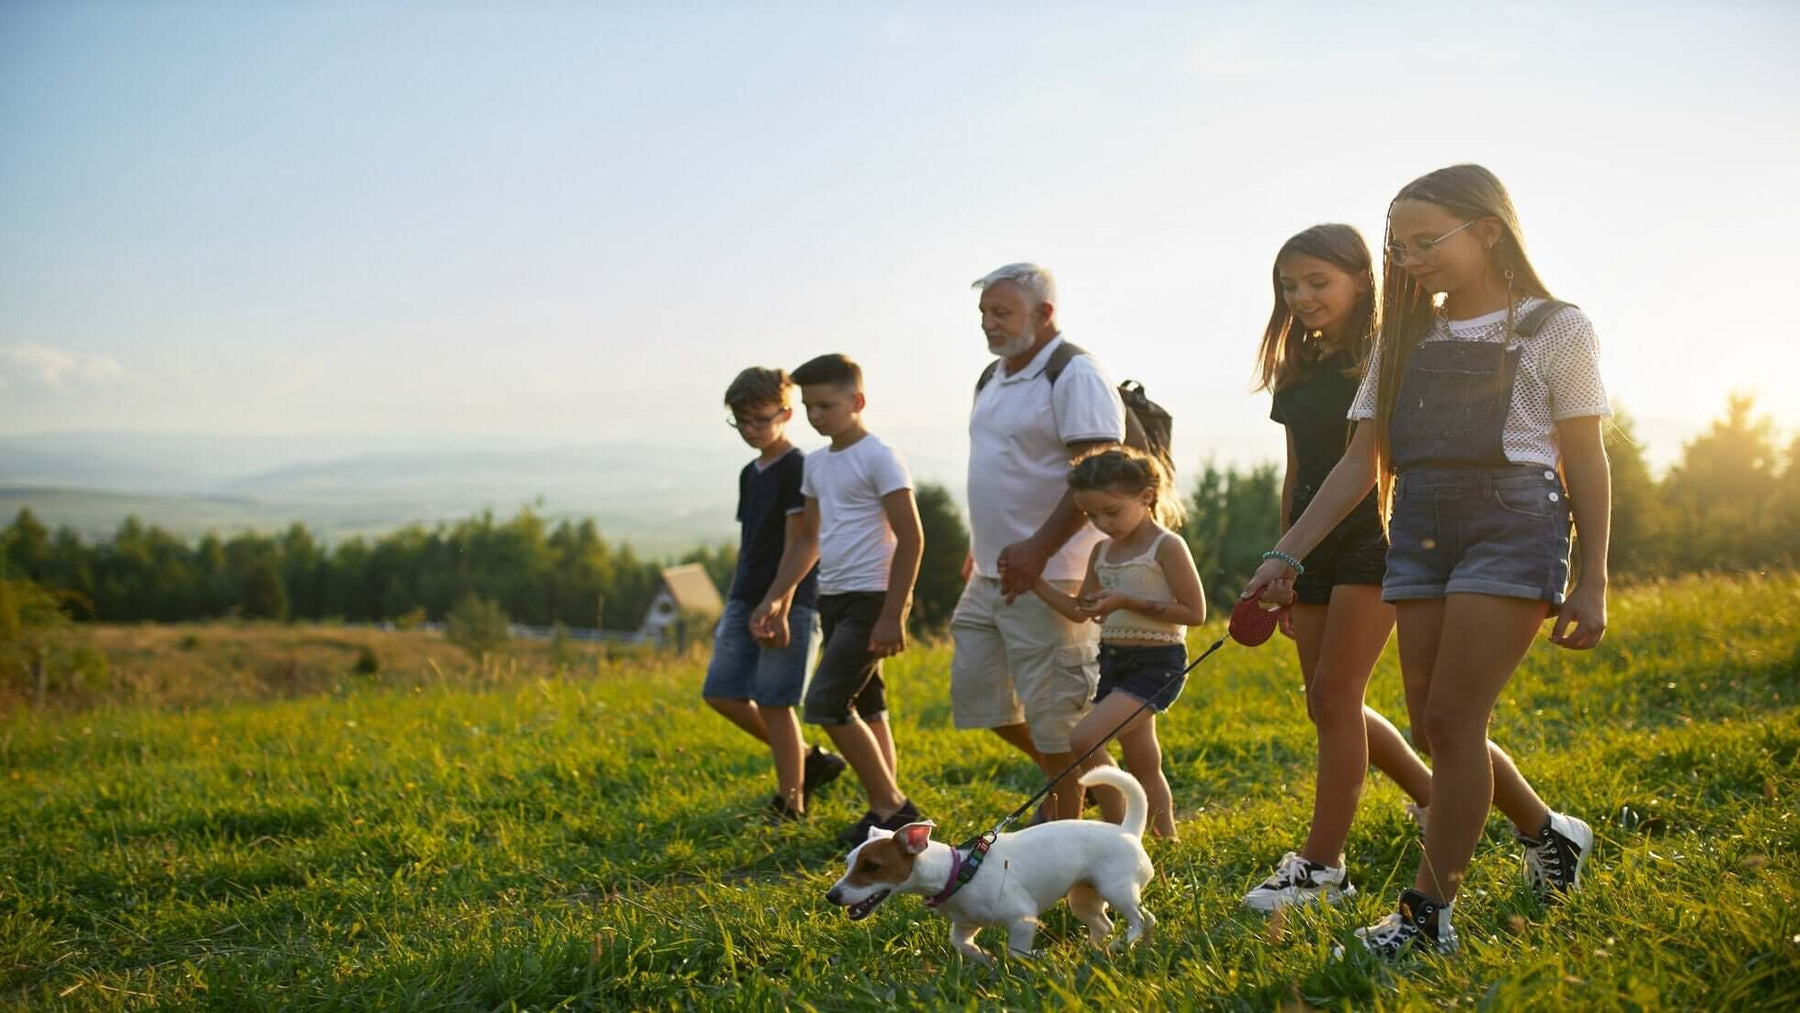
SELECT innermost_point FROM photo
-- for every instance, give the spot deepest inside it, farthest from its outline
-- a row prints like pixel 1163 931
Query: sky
pixel 560 223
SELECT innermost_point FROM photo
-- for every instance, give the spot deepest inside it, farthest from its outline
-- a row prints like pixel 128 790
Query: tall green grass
pixel 592 841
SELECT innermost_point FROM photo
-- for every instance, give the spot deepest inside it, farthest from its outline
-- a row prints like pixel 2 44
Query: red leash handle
pixel 1251 624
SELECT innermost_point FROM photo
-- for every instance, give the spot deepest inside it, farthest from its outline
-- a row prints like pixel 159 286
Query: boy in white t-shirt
pixel 863 529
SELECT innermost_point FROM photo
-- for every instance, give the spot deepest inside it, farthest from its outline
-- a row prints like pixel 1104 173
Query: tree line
pixel 1732 502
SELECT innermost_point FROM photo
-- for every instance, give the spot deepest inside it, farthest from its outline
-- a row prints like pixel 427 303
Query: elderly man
pixel 1020 668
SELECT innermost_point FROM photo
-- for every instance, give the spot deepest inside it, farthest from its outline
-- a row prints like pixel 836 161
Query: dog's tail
pixel 1137 807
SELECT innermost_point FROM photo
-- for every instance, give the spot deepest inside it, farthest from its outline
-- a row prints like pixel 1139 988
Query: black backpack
pixel 1148 426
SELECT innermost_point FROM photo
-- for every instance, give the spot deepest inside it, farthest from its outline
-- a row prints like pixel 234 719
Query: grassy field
pixel 520 835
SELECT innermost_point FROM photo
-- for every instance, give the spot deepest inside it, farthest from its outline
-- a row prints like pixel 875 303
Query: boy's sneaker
pixel 1299 881
pixel 1554 859
pixel 858 832
pixel 1419 814
pixel 822 767
pixel 779 811
pixel 907 813
pixel 1418 923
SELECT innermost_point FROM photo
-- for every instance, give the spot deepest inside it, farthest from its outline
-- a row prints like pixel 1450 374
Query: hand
pixel 769 623
pixel 1098 606
pixel 968 567
pixel 1021 564
pixel 1585 611
pixel 888 638
pixel 1272 583
pixel 1285 623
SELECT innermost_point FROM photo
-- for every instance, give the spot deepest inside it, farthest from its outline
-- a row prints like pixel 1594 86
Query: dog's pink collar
pixel 950 887
pixel 962 870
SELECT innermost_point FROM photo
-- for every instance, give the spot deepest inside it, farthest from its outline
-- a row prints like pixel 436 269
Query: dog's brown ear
pixel 914 837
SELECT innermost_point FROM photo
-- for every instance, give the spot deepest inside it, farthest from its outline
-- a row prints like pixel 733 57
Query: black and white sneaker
pixel 821 768
pixel 1299 881
pixel 1418 923
pixel 1553 860
pixel 778 811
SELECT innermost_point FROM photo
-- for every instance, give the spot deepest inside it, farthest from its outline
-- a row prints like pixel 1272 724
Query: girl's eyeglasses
pixel 741 422
pixel 1425 247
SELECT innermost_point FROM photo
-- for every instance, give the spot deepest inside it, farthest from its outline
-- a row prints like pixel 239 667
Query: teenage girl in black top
pixel 1313 353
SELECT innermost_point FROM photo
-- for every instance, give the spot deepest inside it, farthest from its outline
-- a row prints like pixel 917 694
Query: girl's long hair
pixel 1407 310
pixel 1288 351
pixel 1131 471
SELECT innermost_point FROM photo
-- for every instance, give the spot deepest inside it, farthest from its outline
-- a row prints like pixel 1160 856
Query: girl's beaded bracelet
pixel 1284 557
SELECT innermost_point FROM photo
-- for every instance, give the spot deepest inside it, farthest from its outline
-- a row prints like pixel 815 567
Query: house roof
pixel 693 590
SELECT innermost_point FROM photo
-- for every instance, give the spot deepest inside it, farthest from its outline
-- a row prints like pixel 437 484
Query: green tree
pixel 1722 494
pixel 940 567
pixel 1233 517
pixel 1638 523
pixel 477 625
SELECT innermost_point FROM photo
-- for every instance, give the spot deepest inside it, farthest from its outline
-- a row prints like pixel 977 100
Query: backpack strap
pixel 1533 321
pixel 1059 360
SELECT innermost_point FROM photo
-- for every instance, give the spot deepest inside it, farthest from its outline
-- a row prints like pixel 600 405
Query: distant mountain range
pixel 661 500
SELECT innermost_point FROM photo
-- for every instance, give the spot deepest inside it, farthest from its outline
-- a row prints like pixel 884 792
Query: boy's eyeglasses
pixel 741 422
pixel 1425 248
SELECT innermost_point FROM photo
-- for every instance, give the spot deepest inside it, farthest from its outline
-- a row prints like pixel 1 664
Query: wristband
pixel 1284 557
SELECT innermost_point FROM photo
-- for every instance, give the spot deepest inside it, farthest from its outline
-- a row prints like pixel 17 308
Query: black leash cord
pixel 1079 760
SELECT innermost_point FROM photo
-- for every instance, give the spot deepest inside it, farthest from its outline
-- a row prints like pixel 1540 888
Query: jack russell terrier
pixel 1092 863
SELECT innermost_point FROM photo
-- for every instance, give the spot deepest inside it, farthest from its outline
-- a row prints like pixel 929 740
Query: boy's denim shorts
pixel 1145 672
pixel 742 669
pixel 1499 531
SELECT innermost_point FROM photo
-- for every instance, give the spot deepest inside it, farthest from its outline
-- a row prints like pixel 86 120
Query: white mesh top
pixel 1559 378
pixel 1141 576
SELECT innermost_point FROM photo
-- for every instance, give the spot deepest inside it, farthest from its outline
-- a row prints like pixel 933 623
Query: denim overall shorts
pixel 1464 519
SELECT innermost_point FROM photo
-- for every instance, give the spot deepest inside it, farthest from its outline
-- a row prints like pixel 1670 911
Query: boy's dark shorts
pixel 848 676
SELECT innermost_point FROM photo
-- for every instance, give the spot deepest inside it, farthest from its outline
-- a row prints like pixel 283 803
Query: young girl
pixel 1319 337
pixel 1143 589
pixel 1476 404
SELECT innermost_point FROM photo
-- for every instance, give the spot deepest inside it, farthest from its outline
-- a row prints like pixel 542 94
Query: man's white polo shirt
pixel 1019 434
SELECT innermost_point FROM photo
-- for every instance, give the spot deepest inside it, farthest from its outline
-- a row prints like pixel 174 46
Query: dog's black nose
pixel 832 895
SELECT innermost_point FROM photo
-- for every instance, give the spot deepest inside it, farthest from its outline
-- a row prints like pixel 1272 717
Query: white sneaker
pixel 1418 814
pixel 1298 881
pixel 1418 923
pixel 1554 859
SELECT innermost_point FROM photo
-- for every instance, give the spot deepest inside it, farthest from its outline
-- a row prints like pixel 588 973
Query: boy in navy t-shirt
pixel 758 684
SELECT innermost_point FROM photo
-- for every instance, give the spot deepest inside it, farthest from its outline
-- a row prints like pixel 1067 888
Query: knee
pixel 1333 706
pixel 1083 738
pixel 1451 729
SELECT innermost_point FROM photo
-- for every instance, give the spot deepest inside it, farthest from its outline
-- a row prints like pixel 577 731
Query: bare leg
pixel 789 750
pixel 1020 736
pixel 1421 629
pixel 1143 757
pixel 1092 729
pixel 1390 753
pixel 1346 640
pixel 863 753
pixel 1479 641
pixel 743 713
pixel 884 738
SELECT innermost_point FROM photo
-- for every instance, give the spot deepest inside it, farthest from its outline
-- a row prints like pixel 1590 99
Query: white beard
pixel 1015 346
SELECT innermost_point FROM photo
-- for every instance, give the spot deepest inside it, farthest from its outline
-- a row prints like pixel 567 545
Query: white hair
pixel 1037 281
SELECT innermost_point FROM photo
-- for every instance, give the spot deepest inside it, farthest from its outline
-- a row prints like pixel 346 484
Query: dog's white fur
pixel 1092 863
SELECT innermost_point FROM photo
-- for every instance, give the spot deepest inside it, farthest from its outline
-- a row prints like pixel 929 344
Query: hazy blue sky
pixel 570 223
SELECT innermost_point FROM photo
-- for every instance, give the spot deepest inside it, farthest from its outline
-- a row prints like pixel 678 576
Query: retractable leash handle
pixel 1250 625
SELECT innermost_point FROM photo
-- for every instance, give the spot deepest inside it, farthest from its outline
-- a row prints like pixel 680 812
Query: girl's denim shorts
pixel 1145 672
pixel 1499 531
